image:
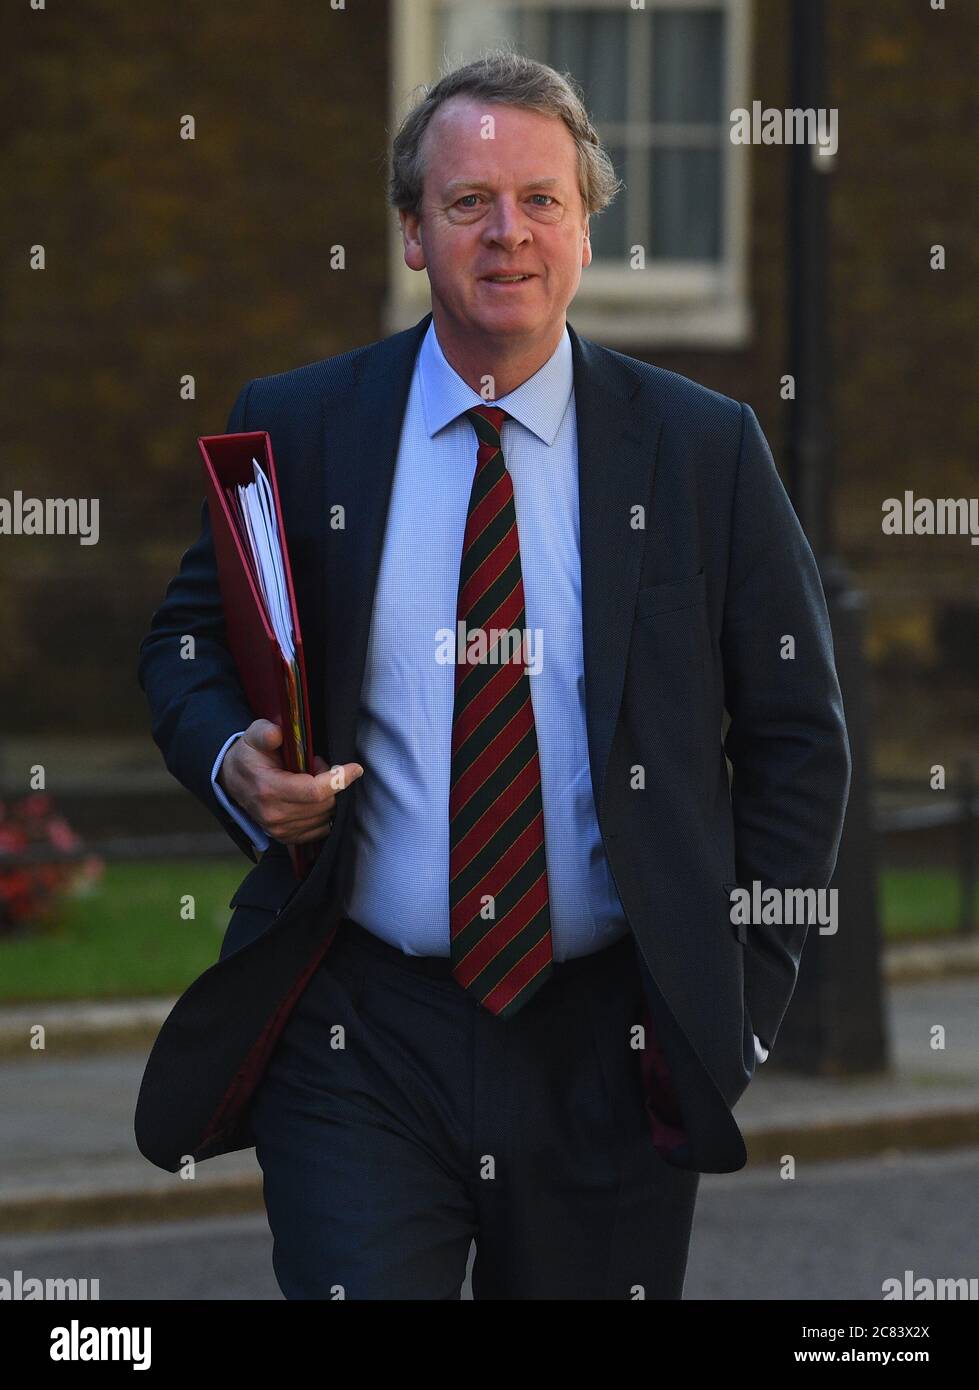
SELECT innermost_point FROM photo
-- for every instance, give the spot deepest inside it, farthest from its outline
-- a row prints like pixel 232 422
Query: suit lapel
pixel 618 438
pixel 617 435
pixel 361 433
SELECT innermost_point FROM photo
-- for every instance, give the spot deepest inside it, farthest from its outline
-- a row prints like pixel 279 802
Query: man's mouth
pixel 505 279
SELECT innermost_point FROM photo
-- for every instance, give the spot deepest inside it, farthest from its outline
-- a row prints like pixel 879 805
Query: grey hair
pixel 509 79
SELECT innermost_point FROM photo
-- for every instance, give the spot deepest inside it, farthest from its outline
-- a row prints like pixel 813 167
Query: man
pixel 509 1002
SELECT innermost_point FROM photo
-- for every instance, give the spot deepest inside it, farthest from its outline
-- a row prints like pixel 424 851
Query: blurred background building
pixel 177 269
pixel 214 258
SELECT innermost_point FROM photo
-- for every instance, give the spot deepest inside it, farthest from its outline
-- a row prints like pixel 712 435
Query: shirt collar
pixel 538 403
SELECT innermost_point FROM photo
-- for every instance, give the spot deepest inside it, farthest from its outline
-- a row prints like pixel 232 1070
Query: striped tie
pixel 500 921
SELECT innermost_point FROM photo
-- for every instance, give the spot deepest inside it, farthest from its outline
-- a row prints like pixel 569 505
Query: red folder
pixel 270 685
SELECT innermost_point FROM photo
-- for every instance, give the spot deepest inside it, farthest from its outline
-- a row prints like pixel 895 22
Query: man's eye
pixel 461 202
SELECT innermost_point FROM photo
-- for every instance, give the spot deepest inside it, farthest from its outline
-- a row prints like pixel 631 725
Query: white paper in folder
pixel 258 511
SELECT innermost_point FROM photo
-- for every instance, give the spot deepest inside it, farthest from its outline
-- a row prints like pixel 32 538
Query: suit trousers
pixel 398 1120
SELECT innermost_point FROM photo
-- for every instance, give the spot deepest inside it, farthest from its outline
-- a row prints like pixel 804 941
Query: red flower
pixel 29 892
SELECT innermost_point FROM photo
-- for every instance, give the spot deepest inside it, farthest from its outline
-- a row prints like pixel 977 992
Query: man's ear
pixel 411 231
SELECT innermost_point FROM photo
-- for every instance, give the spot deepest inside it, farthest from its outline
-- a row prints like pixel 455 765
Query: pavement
pixel 833 1233
pixel 69 1158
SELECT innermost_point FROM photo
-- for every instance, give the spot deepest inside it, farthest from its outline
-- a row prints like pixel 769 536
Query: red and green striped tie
pixel 500 921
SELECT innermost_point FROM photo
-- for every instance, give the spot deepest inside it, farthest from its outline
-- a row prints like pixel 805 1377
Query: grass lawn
pixel 128 936
pixel 919 902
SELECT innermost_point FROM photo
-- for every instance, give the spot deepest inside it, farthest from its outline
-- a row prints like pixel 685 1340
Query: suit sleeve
pixel 787 740
pixel 196 701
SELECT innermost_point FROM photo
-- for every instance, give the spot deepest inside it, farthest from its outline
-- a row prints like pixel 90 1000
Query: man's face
pixel 505 205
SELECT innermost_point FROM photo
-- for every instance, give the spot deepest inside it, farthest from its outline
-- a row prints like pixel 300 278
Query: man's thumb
pixel 265 735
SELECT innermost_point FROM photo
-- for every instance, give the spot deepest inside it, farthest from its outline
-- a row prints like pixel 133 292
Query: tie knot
pixel 487 420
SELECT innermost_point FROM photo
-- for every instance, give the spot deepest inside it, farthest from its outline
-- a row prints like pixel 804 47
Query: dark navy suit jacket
pixel 694 569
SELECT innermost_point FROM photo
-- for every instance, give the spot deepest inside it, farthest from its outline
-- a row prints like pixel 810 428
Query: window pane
pixel 683 85
pixel 466 26
pixel 592 47
pixel 688 82
pixel 608 234
pixel 686 202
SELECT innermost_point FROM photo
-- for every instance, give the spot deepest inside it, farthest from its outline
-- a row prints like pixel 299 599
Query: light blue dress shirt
pixel 399 882
pixel 399 886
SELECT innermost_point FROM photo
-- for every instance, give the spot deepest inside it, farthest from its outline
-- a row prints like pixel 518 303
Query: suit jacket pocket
pixel 673 595
pixel 260 896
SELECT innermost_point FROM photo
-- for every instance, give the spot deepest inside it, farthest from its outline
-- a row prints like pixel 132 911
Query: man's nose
pixel 507 223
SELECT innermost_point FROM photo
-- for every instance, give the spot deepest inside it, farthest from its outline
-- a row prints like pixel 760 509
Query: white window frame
pixel 677 304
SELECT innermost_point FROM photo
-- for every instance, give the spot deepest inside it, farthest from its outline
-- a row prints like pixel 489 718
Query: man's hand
pixel 292 807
